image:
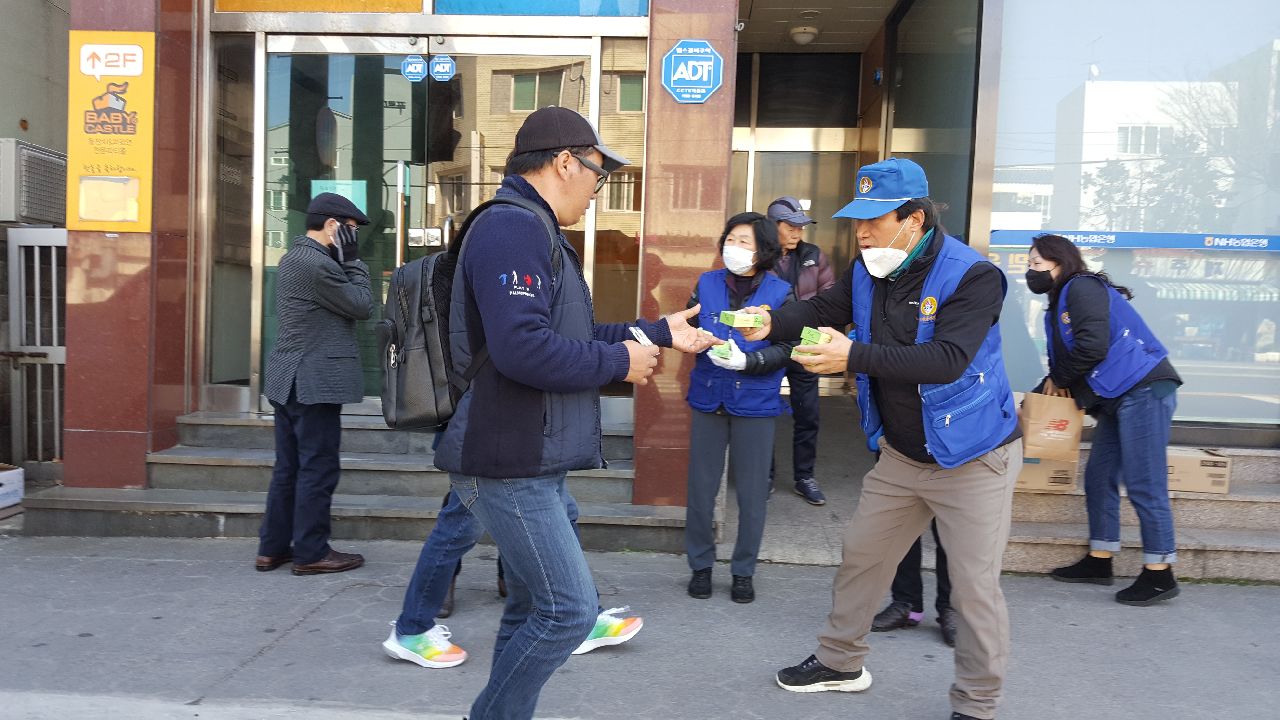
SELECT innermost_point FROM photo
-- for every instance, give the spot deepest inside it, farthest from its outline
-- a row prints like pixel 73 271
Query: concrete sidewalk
pixel 158 628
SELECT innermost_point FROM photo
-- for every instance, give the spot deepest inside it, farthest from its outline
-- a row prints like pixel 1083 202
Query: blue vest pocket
pixel 963 425
pixel 1110 379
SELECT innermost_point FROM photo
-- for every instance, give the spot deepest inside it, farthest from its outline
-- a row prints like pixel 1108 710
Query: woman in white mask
pixel 735 400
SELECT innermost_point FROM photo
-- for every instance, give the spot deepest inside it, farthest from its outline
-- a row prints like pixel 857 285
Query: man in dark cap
pixel 804 266
pixel 532 412
pixel 322 289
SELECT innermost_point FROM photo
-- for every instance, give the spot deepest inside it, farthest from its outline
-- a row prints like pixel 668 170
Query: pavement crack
pixel 280 637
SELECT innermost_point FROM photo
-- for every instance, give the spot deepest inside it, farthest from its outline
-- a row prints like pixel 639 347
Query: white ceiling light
pixel 804 34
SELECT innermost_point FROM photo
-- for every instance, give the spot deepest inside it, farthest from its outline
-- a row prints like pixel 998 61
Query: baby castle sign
pixel 692 70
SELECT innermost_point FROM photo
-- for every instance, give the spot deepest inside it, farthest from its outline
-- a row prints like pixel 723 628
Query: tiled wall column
pixel 687 152
pixel 127 293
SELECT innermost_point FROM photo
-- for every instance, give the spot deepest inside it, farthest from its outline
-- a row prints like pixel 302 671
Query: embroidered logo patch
pixel 1066 318
pixel 928 307
pixel 522 284
pixel 864 185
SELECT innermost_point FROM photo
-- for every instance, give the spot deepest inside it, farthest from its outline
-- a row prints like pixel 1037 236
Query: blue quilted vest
pixel 963 419
pixel 711 387
pixel 1133 350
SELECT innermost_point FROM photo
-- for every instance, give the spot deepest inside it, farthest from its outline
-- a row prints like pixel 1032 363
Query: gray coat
pixel 318 303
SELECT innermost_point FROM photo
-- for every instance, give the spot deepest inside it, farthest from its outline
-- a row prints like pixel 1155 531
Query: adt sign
pixel 443 68
pixel 692 70
pixel 413 68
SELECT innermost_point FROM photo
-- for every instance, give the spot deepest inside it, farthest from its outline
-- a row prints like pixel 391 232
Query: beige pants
pixel 972 504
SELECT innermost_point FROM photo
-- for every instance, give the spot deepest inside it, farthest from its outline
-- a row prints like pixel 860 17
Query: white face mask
pixel 738 260
pixel 882 261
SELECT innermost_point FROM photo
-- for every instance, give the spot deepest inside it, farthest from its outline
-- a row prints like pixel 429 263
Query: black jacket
pixel 895 363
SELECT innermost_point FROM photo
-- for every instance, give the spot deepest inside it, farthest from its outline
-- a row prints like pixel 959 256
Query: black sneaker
pixel 1089 569
pixel 700 584
pixel 1151 587
pixel 947 622
pixel 808 489
pixel 812 676
pixel 895 615
pixel 742 591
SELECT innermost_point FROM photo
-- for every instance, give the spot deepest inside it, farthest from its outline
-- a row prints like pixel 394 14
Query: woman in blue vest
pixel 1103 355
pixel 735 401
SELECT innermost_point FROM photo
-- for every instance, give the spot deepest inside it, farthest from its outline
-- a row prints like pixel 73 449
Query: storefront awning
pixel 1223 291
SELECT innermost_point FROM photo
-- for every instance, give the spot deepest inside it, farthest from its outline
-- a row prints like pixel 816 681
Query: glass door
pixel 416 154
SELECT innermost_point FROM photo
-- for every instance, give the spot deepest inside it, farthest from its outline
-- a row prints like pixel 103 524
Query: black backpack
pixel 420 388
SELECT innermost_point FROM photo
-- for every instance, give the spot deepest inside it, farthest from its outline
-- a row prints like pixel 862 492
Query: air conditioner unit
pixel 33 184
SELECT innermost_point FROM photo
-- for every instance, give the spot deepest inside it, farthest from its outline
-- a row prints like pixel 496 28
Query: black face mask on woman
pixel 1039 281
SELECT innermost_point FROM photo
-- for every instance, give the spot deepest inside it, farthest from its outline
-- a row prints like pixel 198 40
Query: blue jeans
pixel 551 600
pixel 1131 444
pixel 302 483
pixel 456 531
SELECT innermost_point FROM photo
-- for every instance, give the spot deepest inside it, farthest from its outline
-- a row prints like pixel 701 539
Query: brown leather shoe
pixel 334 562
pixel 267 563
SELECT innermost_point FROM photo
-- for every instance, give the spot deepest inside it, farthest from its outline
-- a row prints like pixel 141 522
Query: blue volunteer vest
pixel 1132 352
pixel 710 386
pixel 963 419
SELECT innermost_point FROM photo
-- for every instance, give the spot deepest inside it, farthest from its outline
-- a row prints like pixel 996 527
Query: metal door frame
pixel 384 45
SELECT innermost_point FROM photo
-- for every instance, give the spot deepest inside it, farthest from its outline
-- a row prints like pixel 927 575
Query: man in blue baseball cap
pixel 936 408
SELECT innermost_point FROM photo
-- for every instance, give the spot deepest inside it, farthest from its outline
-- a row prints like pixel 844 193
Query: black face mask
pixel 1039 281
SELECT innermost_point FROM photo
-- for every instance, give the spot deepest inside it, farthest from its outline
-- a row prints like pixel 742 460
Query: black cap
pixel 335 206
pixel 553 128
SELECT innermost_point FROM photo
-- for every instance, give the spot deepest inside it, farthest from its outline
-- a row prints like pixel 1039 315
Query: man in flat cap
pixel 322 289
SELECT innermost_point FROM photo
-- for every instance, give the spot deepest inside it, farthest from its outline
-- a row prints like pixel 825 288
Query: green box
pixel 720 351
pixel 740 319
pixel 813 336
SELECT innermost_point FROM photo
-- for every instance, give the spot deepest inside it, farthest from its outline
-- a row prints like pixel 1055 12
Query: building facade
pixel 261 105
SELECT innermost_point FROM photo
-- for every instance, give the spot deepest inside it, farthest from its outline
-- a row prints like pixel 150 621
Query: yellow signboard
pixel 111 113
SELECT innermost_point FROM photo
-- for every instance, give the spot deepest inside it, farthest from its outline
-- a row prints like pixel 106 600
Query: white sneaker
pixel 610 630
pixel 430 649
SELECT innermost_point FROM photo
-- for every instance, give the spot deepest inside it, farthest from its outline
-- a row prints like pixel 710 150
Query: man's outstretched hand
pixel 685 337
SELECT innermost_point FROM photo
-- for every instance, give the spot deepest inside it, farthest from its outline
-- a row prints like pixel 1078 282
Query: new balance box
pixel 11 485
pixel 1195 470
pixel 1047 475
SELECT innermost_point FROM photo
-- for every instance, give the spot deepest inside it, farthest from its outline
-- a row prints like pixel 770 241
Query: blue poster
pixel 1129 240
pixel 572 8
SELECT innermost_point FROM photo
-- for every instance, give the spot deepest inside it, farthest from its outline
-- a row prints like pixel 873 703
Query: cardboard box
pixel 1195 470
pixel 11 485
pixel 1047 475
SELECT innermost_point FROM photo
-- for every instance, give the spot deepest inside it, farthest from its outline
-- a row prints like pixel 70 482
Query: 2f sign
pixel 112 60
pixel 699 71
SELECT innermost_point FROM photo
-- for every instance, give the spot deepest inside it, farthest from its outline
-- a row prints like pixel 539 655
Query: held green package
pixel 720 351
pixel 813 336
pixel 738 319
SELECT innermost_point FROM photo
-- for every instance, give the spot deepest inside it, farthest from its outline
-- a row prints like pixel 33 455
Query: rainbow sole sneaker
pixel 430 649
pixel 610 630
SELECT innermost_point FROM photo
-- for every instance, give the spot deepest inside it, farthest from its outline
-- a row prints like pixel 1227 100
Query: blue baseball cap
pixel 885 186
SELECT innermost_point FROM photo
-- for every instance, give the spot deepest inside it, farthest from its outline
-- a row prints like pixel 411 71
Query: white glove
pixel 736 360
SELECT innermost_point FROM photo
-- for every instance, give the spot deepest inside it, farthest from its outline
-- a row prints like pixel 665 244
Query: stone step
pixel 102 512
pixel 360 433
pixel 363 473
pixel 1249 506
pixel 1203 554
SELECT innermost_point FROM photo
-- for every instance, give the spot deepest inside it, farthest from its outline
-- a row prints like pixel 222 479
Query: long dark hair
pixel 767 248
pixel 1062 251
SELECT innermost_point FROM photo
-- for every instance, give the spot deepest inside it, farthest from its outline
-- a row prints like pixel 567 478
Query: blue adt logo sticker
pixel 443 68
pixel 413 68
pixel 692 70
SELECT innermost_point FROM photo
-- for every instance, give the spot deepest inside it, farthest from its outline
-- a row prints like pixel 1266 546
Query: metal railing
pixel 37 343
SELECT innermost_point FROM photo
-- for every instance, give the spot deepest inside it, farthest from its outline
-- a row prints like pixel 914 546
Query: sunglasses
pixel 603 176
